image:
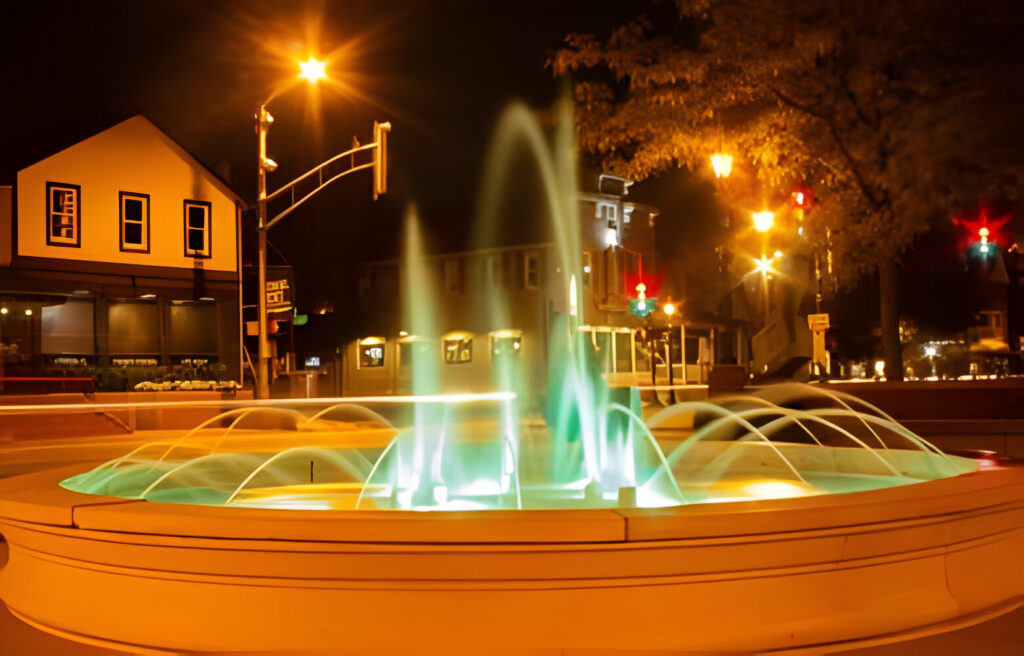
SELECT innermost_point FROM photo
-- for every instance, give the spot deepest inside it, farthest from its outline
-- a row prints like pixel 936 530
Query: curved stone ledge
pixel 763 575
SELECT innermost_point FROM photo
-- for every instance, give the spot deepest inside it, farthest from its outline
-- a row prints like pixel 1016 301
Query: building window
pixel 496 271
pixel 506 344
pixel 453 276
pixel 371 352
pixel 607 210
pixel 531 279
pixel 588 266
pixel 194 328
pixel 134 222
pixel 414 348
pixel 197 228
pixel 63 216
pixel 458 349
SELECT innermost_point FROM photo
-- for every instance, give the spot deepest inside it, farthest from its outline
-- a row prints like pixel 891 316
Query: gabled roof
pixel 21 154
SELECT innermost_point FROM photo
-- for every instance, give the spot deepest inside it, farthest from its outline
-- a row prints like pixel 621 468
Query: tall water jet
pixel 418 476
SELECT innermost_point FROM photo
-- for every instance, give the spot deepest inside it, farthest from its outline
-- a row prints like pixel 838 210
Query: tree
pixel 894 113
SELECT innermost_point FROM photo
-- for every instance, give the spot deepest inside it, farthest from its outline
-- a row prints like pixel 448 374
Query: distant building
pixel 616 245
pixel 119 259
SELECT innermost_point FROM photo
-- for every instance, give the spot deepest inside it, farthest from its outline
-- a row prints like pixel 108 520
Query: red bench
pixel 46 384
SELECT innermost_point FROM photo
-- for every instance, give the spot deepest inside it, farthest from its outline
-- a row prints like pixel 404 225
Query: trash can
pixel 303 383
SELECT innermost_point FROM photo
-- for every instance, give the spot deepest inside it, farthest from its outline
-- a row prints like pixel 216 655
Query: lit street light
pixel 311 70
pixel 669 309
pixel 763 221
pixel 722 165
pixel 764 265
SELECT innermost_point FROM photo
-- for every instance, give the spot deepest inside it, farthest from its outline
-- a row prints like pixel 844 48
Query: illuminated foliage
pixel 881 107
pixel 893 114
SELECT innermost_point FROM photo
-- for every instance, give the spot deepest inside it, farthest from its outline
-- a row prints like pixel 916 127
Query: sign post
pixel 819 325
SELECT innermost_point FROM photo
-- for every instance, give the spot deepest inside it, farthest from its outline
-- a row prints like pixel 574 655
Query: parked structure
pixel 119 260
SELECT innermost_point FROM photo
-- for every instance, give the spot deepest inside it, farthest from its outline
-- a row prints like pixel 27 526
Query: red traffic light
pixel 802 198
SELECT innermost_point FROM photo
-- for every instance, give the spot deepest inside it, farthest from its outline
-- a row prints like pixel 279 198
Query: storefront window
pixel 134 327
pixel 371 352
pixel 68 328
pixel 193 327
pixel 458 349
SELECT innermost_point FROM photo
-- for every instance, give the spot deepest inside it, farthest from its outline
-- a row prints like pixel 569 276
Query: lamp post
pixel 669 309
pixel 764 266
pixel 312 71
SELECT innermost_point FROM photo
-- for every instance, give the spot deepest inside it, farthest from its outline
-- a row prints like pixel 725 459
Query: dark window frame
pixel 207 252
pixel 528 257
pixel 132 248
pixel 76 221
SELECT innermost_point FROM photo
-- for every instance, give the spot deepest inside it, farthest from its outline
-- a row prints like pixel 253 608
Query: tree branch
pixel 830 122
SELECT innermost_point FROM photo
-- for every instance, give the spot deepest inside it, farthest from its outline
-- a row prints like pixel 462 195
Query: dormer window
pixel 63 214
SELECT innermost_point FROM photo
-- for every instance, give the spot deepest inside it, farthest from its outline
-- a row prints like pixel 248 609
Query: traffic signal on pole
pixel 380 158
pixel 802 198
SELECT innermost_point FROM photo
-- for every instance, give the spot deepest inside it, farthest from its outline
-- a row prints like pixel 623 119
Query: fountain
pixel 787 518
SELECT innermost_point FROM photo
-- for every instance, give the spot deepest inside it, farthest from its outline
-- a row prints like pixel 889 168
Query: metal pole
pixel 668 360
pixel 817 281
pixel 262 368
pixel 767 309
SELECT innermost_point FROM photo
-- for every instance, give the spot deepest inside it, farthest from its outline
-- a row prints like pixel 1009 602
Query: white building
pixel 119 259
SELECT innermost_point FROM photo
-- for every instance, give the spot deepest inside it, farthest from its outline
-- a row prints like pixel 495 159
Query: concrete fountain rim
pixel 38 499
pixel 923 539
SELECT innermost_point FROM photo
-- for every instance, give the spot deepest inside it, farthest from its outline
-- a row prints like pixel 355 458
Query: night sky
pixel 440 71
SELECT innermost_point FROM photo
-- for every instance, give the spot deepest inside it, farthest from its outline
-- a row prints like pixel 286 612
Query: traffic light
pixel 641 306
pixel 980 233
pixel 380 158
pixel 802 198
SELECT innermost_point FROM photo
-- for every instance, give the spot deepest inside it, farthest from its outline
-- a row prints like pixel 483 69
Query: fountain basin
pixel 815 572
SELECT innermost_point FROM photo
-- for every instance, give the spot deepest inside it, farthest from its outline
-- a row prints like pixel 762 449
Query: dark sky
pixel 441 71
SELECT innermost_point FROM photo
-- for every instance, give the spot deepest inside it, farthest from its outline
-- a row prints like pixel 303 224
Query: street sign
pixel 818 322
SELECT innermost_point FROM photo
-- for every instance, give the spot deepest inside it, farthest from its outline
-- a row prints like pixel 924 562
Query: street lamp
pixel 311 70
pixel 763 220
pixel 322 175
pixel 669 309
pixel 721 164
